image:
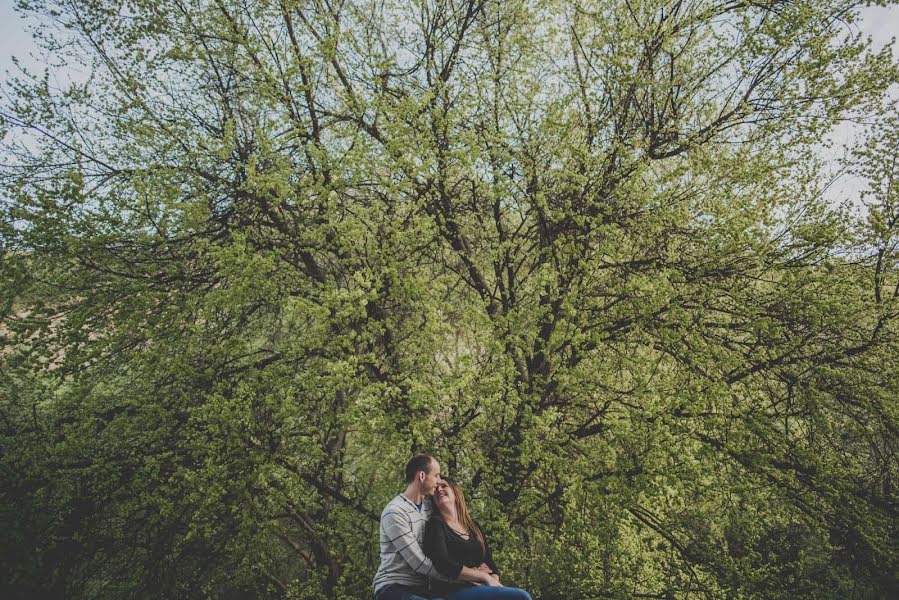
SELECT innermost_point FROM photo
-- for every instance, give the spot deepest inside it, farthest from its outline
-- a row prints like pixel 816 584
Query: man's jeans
pixel 402 592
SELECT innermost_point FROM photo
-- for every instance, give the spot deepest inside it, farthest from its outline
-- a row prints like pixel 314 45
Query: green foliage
pixel 255 253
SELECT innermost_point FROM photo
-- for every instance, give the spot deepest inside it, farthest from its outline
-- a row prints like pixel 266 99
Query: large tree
pixel 255 253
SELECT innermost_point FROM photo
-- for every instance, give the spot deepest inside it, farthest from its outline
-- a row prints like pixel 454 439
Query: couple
pixel 428 553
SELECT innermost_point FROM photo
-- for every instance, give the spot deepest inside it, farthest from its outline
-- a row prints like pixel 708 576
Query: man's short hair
pixel 419 462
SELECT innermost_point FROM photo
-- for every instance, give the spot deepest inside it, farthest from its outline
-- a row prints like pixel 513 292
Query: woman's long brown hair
pixel 462 512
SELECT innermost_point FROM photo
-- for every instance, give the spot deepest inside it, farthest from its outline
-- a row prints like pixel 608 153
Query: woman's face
pixel 443 495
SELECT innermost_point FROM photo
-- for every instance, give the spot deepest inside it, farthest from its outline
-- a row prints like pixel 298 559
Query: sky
pixel 14 40
pixel 882 24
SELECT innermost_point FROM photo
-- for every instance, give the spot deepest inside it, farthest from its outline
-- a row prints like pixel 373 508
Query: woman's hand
pixel 485 578
pixel 479 576
pixel 485 569
pixel 491 579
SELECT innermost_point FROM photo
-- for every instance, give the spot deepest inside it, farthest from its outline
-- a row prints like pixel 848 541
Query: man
pixel 404 570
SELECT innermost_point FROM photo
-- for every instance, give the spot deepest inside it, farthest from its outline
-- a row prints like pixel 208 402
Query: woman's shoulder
pixel 435 527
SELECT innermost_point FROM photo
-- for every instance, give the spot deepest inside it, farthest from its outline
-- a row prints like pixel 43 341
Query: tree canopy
pixel 256 253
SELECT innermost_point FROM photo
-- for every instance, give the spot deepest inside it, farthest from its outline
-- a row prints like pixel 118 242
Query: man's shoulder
pixel 393 504
pixel 397 505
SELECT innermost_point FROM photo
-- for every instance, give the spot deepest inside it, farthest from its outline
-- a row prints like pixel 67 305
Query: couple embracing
pixel 435 550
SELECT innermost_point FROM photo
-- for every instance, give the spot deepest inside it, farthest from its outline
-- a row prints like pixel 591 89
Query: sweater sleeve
pixel 435 549
pixel 399 532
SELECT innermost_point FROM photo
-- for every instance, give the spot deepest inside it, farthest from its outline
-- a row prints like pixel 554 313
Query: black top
pixel 449 552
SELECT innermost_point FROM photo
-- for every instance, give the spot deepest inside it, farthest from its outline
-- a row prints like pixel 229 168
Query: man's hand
pixel 483 567
pixel 494 581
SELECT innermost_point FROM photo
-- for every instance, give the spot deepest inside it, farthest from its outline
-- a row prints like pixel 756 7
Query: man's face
pixel 429 485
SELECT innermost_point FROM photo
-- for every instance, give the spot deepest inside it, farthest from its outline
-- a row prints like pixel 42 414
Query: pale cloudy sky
pixel 882 24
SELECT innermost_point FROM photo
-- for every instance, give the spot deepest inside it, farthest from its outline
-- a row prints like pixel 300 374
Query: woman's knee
pixel 515 594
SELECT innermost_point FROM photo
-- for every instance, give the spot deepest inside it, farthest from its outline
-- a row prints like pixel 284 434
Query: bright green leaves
pixel 578 251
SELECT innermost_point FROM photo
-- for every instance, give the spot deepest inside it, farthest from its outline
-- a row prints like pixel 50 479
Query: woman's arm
pixel 488 556
pixel 488 559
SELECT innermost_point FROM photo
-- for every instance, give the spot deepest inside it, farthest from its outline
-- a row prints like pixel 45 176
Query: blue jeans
pixel 486 592
pixel 401 592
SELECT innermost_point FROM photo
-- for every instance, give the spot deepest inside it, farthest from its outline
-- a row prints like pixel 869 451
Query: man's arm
pixel 398 529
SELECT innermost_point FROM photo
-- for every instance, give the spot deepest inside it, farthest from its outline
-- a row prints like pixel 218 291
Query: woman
pixel 456 546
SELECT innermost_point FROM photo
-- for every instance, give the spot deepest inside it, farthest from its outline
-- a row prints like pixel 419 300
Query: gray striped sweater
pixel 402 533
